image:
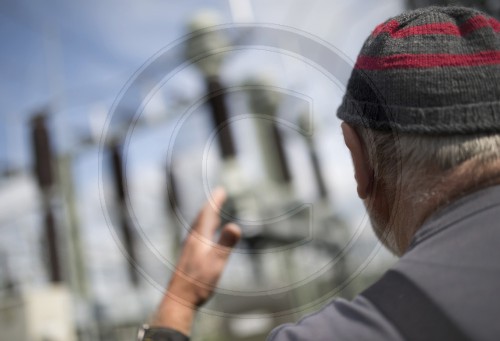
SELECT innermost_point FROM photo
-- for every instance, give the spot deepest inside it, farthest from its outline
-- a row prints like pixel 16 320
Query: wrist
pixel 186 290
pixel 175 313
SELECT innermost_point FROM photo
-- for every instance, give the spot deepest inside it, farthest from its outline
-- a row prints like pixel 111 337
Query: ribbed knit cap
pixel 430 71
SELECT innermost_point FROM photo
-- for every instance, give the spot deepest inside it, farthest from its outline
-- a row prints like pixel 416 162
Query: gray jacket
pixel 454 259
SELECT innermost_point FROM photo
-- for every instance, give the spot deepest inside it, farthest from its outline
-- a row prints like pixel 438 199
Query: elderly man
pixel 422 122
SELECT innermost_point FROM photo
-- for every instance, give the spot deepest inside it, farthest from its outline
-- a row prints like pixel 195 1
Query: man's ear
pixel 363 172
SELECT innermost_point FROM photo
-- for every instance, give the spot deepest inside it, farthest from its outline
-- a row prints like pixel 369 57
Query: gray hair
pixel 420 161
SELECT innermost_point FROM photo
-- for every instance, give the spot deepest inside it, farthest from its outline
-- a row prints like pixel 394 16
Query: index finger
pixel 208 219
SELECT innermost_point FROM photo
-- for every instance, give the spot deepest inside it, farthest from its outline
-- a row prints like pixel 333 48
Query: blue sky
pixel 68 56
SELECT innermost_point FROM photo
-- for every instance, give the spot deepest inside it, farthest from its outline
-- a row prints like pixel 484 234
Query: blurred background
pixel 118 120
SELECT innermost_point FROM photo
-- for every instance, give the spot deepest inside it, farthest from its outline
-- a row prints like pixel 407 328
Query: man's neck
pixel 416 205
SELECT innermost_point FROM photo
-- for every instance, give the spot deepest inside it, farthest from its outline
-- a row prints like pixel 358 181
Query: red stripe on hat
pixel 495 24
pixel 416 61
pixel 448 28
pixel 478 22
pixel 437 28
pixel 389 27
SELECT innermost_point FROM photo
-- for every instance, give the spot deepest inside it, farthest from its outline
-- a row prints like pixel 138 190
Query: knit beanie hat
pixel 434 70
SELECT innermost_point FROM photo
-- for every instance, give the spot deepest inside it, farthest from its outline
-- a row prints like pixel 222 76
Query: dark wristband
pixel 161 334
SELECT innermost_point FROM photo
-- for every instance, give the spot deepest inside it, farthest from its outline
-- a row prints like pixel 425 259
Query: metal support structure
pixel 43 165
pixel 220 116
pixel 285 175
pixel 264 102
pixel 173 201
pixel 313 156
pixel 77 271
pixel 128 236
pixel 318 176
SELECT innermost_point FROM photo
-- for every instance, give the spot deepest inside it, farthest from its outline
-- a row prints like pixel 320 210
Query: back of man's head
pixel 424 96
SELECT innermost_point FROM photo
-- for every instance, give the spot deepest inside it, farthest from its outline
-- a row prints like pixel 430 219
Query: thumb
pixel 230 235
